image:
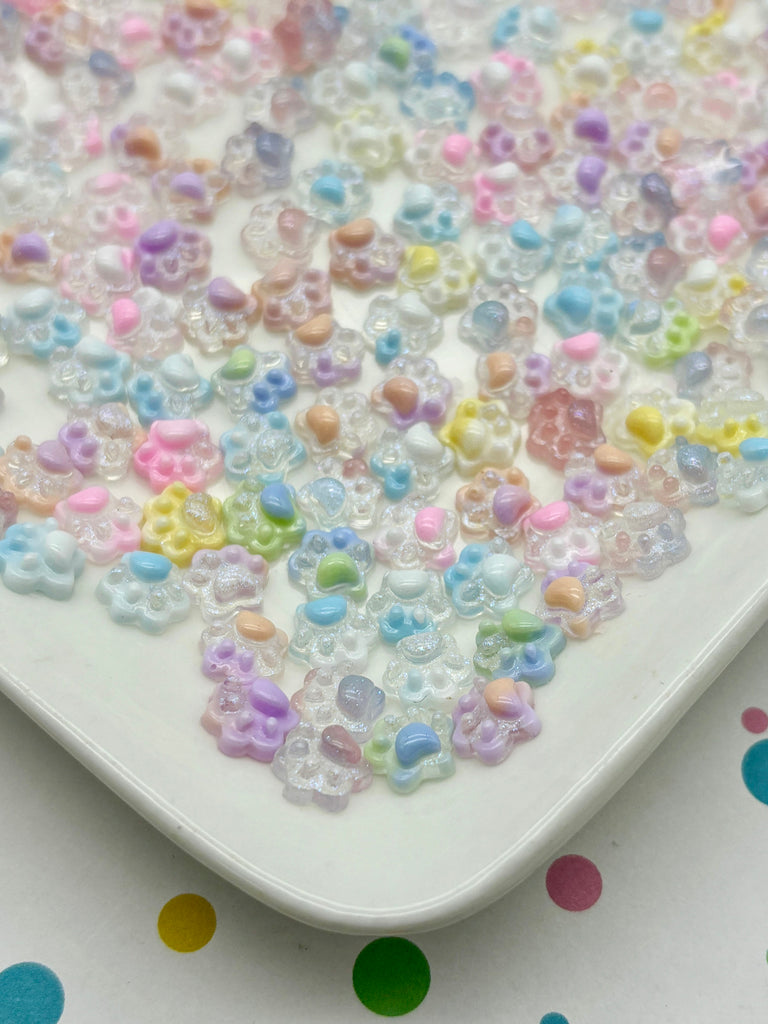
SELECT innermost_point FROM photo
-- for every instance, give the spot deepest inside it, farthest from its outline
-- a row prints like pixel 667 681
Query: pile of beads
pixel 513 290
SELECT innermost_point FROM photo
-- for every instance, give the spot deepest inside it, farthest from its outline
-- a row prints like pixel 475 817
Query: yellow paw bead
pixel 179 522
pixel 481 434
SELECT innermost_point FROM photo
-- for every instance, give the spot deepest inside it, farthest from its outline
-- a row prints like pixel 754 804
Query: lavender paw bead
pixel 218 315
pixel 413 461
pixel 250 645
pixel 495 504
pixel 191 191
pixel 413 535
pixel 100 440
pixel 28 257
pixel 324 353
pixel 492 718
pixel 91 373
pixel 260 381
pixel 103 526
pixel 226 582
pixel 412 748
pixel 145 326
pixel 334 191
pixel 330 631
pixel 522 647
pixel 401 326
pixel 250 718
pixel 39 322
pixel 578 604
pixel 144 590
pixel 277 230
pixel 324 768
pixel 38 475
pixel 39 557
pixel 178 450
pixel 428 669
pixel 409 601
pixel 261 446
pixel 487 579
pixel 645 540
pixel 170 256
pixel 256 160
pixel 333 562
pixel 174 390
pixel 413 391
pixel 334 697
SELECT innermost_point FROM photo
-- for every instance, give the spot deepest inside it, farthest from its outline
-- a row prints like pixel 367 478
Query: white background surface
pixel 679 934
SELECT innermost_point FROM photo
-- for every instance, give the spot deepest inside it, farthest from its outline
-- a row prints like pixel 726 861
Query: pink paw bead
pixel 291 295
pixel 38 476
pixel 495 194
pixel 250 645
pixel 493 718
pixel 178 450
pixel 578 604
pixel 503 79
pixel 415 536
pixel 560 425
pixel 250 718
pixel 277 230
pixel 439 156
pixel 588 367
pixel 145 325
pixel 559 535
pixel 177 523
pixel 602 482
pixel 413 391
pixel 363 256
pixel 113 209
pixel 495 504
pixel 95 278
pixel 103 526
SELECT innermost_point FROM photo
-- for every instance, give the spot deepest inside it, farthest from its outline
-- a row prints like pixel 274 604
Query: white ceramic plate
pixel 128 706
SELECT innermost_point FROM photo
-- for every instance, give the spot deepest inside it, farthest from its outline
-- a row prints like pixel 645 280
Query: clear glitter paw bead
pixel 144 590
pixel 481 434
pixel 90 373
pixel 331 631
pixel 411 748
pixel 499 319
pixel 522 647
pixel 324 353
pixel 401 326
pixel 335 697
pixel 743 481
pixel 495 504
pixel 413 391
pixel 604 481
pixel 178 522
pixel 578 604
pixel 413 461
pixel 104 526
pixel 338 90
pixel 38 322
pixel 101 440
pixel 278 230
pixel 38 475
pixel 41 558
pixel 371 139
pixel 431 214
pixel 334 191
pixel 249 717
pixel 261 446
pixel 442 275
pixel 322 767
pixel 172 390
pixel 682 475
pixel 409 601
pixel 427 669
pixel 710 372
pixel 493 718
pixel 645 540
pixel 260 381
pixel 560 534
pixel 332 562
pixel 263 518
pixel 247 646
pixel 218 315
pixel 226 582
pixel 256 160
pixel 487 579
pixel 340 424
pixel 145 326
pixel 178 450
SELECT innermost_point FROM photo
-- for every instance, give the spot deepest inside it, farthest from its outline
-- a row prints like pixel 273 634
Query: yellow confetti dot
pixel 186 923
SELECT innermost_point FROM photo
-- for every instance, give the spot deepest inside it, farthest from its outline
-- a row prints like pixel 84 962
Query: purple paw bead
pixel 171 256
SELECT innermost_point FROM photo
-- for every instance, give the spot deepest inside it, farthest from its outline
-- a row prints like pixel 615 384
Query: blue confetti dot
pixel 553 1018
pixel 754 771
pixel 30 993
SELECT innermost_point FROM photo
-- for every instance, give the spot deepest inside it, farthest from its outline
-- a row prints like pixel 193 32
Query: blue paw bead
pixel 277 503
pixel 329 189
pixel 414 742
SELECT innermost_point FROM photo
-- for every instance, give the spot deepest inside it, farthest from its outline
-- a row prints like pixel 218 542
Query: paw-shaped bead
pixel 179 522
pixel 438 155
pixel 226 582
pixel 40 558
pixel 324 353
pixel 260 381
pixel 256 160
pixel 280 104
pixel 414 390
pixel 743 481
pixel 278 230
pixel 438 100
pixel 332 562
pixel 492 718
pixel 363 256
pixel 264 518
pixel 646 422
pixel 90 373
pixel 28 257
pixel 145 326
pixel 431 214
pixel 308 33
pixel 535 32
pixel 500 378
pixel 171 256
pixel 98 83
pixel 645 540
pixel 145 591
pixel 659 334
pixel 682 475
pixel 191 191
pixel 321 767
pixel 39 322
pixel 348 498
pixel 495 196
pixel 248 57
pixel 561 425
pixel 103 526
pixel 261 446
pixel 504 79
pixel 442 275
pixel 487 579
pixel 331 631
pixel 413 535
pixel 495 504
pixel 481 434
pixel 602 482
pixel 404 53
pixel 341 424
pixel 578 604
pixel 737 415
pixel 292 295
pixel 521 647
pixel 518 254
pixel 428 669
pixel 218 315
pixel 409 601
pixel 412 748
pixel 100 440
pixel 144 144
pixel 710 372
pixel 112 210
pixel 172 390
pixel 333 697
pixel 334 191
pixel 588 368
pixel 247 646
pixel 560 534
pixel 413 461
pixel 371 140
pixel 401 326
pixel 584 302
pixel 338 90
pixel 250 717
pixel 195 28
pixel 178 450
pixel 38 475
pixel 499 318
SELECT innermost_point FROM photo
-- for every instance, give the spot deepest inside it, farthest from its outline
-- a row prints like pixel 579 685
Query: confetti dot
pixel 187 923
pixel 553 1018
pixel 754 720
pixel 30 993
pixel 391 977
pixel 574 883
pixel 754 771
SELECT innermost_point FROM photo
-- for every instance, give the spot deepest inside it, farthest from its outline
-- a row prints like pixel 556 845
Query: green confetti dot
pixel 391 977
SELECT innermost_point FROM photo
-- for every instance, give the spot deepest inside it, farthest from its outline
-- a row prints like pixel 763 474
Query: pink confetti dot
pixel 754 720
pixel 574 883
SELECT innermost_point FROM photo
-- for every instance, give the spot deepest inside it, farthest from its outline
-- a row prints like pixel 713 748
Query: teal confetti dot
pixel 30 993
pixel 754 771
pixel 391 977
pixel 553 1018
